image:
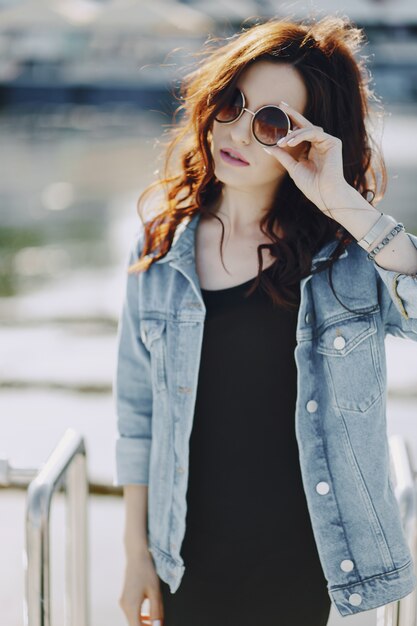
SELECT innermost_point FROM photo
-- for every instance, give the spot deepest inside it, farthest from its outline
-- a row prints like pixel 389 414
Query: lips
pixel 234 154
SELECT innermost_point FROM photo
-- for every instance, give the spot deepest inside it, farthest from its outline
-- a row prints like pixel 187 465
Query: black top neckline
pixel 234 287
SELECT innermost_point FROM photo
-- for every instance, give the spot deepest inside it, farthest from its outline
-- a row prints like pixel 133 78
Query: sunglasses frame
pixel 254 113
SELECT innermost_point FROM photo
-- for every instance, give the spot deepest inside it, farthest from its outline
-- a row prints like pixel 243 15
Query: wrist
pixel 346 198
pixel 353 212
pixel 133 557
pixel 382 226
pixel 135 545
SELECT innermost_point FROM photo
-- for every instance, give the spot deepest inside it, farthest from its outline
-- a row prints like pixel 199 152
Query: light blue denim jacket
pixel 340 415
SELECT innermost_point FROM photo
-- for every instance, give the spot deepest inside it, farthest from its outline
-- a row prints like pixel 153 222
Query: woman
pixel 251 380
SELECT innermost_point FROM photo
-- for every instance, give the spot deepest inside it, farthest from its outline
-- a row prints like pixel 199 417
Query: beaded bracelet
pixel 399 227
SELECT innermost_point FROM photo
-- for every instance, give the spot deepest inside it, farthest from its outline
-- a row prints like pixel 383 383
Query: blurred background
pixel 86 87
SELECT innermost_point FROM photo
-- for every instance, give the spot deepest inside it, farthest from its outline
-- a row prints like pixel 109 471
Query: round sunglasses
pixel 269 122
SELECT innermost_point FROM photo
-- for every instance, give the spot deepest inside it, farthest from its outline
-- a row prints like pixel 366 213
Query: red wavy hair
pixel 324 52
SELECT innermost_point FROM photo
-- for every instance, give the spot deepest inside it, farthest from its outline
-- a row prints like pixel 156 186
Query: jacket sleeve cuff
pixel 402 287
pixel 132 461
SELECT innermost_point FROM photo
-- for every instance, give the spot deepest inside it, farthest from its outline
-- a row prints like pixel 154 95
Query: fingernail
pixel 281 140
pixel 282 102
pixel 268 151
pixel 156 622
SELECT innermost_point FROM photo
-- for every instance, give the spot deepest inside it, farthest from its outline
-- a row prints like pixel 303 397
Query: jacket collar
pixel 184 239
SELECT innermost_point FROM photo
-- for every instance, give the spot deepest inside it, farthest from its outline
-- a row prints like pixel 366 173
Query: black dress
pixel 249 552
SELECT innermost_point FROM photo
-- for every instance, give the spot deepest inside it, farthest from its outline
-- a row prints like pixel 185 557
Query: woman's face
pixel 263 82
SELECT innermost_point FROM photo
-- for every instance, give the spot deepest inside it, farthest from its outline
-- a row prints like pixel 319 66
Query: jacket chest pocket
pixel 351 354
pixel 153 335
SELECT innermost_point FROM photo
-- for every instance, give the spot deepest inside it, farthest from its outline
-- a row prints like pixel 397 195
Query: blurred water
pixel 69 180
pixel 68 190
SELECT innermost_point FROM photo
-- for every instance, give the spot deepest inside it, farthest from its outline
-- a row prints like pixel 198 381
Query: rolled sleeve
pixel 132 388
pixel 399 299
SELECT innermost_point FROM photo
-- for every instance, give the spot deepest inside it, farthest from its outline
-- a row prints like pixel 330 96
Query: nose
pixel 240 131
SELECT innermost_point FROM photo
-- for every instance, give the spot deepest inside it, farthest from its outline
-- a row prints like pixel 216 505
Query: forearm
pixel 355 214
pixel 136 512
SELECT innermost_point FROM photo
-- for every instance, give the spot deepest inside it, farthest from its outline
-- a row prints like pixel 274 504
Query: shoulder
pixel 148 209
pixel 136 243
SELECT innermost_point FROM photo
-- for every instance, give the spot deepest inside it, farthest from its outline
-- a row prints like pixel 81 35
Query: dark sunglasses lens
pixel 230 110
pixel 270 125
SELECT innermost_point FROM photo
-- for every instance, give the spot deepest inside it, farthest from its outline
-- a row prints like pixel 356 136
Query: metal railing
pixel 403 612
pixel 65 468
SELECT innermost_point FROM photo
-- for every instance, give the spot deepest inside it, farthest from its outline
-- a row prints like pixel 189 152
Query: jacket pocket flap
pixel 151 329
pixel 340 338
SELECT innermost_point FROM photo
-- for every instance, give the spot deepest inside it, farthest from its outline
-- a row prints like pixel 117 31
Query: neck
pixel 243 209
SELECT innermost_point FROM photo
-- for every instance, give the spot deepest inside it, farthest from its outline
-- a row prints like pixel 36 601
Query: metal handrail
pixel 403 612
pixel 65 467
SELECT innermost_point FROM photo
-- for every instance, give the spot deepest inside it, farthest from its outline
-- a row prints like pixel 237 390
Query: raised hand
pixel 318 172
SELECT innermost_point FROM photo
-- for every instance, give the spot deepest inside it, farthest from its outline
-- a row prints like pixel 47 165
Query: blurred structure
pixel 86 51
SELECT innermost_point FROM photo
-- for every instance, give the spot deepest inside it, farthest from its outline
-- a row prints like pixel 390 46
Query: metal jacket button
pixel 339 342
pixel 355 599
pixel 311 406
pixel 346 565
pixel 322 488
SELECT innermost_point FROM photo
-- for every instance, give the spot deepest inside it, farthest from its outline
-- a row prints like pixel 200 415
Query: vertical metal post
pixel 66 466
pixel 77 557
pixel 403 612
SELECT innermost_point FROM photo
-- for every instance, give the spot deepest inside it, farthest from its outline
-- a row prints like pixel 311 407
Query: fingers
pixel 282 156
pixel 156 613
pixel 149 613
pixel 313 134
pixel 129 607
pixel 303 126
pixel 302 121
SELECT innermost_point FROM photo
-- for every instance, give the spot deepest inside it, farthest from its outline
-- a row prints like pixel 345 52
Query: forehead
pixel 268 82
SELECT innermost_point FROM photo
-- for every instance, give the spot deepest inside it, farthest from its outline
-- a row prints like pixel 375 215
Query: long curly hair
pixel 338 83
